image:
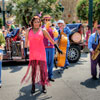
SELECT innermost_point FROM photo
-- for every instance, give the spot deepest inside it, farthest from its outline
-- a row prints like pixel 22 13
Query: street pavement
pixel 74 83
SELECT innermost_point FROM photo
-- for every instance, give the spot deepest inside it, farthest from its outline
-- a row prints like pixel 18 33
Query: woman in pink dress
pixel 37 55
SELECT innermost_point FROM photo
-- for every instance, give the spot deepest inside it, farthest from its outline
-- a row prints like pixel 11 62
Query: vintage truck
pixel 76 42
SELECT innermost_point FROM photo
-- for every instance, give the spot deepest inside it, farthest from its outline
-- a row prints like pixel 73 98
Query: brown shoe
pixel 33 89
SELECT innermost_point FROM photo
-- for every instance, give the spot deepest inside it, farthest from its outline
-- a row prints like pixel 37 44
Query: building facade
pixel 69 14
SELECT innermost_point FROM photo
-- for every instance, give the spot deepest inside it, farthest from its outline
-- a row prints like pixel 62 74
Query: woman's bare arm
pixel 46 34
pixel 26 38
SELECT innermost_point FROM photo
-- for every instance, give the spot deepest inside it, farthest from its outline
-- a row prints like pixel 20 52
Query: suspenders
pixel 96 38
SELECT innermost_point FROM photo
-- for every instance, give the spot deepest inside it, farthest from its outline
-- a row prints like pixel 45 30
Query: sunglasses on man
pixel 47 19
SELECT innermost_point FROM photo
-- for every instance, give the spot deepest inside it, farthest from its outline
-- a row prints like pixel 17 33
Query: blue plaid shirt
pixel 66 31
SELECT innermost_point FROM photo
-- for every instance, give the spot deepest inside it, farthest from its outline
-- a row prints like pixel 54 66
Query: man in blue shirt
pixel 66 30
pixel 93 42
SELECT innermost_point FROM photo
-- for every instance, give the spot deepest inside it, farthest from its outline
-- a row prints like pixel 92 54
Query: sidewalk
pixel 74 83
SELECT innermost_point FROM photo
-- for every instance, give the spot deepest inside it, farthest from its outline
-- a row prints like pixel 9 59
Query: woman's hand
pixel 58 49
pixel 46 34
pixel 93 52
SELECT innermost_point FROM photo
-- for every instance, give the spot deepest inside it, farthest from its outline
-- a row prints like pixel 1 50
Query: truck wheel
pixel 74 54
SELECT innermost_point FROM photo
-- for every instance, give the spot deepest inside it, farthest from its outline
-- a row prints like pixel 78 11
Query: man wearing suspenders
pixel 94 41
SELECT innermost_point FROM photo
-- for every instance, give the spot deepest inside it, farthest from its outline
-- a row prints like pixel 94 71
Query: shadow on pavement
pixel 80 62
pixel 25 94
pixel 84 55
pixel 90 83
pixel 14 63
pixel 13 68
pixel 58 73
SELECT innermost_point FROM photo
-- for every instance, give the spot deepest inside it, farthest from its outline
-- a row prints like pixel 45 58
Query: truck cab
pixel 76 42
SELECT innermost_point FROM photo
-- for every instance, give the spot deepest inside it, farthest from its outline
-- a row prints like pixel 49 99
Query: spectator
pixel 2 44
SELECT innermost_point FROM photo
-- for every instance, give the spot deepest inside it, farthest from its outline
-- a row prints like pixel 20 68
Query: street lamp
pixel 90 13
pixel 3 12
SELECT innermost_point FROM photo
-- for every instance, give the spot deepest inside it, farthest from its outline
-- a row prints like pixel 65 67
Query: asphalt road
pixel 74 83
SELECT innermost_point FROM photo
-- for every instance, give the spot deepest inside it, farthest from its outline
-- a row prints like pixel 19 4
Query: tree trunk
pixel 24 21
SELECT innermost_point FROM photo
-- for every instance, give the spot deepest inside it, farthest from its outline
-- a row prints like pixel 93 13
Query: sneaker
pixel 66 67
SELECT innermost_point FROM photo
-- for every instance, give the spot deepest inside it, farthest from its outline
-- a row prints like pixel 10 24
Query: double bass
pixel 61 58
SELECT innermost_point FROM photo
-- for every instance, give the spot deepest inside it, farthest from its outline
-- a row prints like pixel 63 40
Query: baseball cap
pixel 61 21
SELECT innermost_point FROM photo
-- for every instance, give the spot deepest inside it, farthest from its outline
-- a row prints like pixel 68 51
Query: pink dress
pixel 37 59
pixel 36 46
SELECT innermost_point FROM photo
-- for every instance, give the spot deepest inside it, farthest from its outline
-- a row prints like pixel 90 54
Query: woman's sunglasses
pixel 47 19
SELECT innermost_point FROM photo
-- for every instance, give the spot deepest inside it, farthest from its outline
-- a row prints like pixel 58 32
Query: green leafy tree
pixel 0 22
pixel 96 11
pixel 83 10
pixel 24 10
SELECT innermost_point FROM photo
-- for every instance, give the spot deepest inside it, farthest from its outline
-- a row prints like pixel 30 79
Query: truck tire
pixel 74 54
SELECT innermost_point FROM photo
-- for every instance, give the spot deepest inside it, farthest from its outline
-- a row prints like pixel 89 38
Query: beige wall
pixel 69 14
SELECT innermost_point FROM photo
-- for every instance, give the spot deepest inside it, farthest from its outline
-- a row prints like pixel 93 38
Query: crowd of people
pixel 42 38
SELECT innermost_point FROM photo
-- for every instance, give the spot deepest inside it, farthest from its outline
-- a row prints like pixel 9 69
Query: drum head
pixel 76 37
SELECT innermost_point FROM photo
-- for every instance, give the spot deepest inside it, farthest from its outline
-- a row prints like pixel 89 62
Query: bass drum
pixel 76 37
